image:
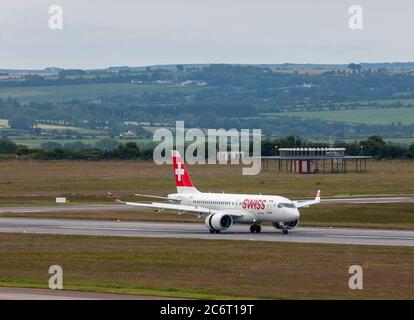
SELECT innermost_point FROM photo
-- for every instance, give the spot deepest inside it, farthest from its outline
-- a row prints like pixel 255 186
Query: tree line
pixel 374 146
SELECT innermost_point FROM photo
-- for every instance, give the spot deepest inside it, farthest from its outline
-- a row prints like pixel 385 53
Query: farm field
pixel 89 180
pixel 37 143
pixel 367 116
pixel 83 92
pixel 32 183
pixel 171 267
pixel 47 127
pixel 397 140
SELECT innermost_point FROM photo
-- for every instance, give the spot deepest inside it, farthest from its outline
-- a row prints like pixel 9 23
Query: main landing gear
pixel 214 231
pixel 285 231
pixel 255 228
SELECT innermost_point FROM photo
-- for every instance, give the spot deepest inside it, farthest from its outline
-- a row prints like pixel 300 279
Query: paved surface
pixel 47 294
pixel 371 200
pixel 199 231
pixel 111 207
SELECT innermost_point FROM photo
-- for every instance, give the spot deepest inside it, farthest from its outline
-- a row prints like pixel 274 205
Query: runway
pixel 47 294
pixel 408 199
pixel 199 231
pixel 122 207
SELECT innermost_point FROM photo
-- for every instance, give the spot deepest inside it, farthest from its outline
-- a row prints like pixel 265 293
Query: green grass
pixel 92 179
pixel 60 128
pixel 39 182
pixel 400 140
pixel 382 102
pixel 36 143
pixel 83 92
pixel 367 116
pixel 206 269
pixel 383 216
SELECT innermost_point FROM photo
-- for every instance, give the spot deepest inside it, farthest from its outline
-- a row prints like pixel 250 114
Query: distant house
pixel 305 85
pixel 190 83
pixel 4 123
pixel 128 134
pixel 163 82
pixel 95 101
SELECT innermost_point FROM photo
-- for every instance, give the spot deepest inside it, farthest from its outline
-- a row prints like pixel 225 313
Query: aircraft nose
pixel 294 214
pixel 297 213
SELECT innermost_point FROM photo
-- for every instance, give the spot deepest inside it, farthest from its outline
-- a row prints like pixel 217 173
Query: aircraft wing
pixel 181 208
pixel 307 203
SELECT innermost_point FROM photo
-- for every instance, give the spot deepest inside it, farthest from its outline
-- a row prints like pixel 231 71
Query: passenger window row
pixel 215 202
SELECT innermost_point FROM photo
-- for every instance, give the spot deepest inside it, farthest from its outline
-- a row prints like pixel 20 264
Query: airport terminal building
pixel 315 160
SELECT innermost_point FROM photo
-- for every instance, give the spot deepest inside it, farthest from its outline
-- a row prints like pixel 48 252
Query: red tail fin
pixel 182 178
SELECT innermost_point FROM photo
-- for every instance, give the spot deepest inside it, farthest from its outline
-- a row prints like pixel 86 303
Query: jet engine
pixel 286 225
pixel 219 221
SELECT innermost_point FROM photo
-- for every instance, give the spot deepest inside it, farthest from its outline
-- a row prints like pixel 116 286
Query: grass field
pixel 367 116
pixel 39 182
pixel 399 140
pixel 206 269
pixel 84 91
pixel 22 181
pixel 47 127
pixel 383 216
pixel 37 143
pixel 398 98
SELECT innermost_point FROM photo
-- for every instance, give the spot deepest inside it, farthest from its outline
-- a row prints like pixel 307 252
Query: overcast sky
pixel 102 33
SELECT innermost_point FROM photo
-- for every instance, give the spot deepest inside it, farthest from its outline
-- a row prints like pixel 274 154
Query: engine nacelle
pixel 219 221
pixel 286 225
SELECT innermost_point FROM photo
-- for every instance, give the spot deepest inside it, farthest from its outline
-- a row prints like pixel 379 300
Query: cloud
pixel 100 33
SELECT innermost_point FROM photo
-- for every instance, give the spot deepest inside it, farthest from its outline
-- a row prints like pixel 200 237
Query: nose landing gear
pixel 255 228
pixel 283 226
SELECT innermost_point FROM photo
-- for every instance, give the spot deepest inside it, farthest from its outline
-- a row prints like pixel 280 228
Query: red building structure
pixel 315 160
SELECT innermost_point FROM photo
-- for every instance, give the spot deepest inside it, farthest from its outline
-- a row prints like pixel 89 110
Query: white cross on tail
pixel 179 171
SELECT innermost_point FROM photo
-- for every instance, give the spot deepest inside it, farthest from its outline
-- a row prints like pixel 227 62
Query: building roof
pixel 312 149
pixel 299 157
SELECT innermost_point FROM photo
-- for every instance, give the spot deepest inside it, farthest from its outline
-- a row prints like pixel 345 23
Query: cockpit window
pixel 286 205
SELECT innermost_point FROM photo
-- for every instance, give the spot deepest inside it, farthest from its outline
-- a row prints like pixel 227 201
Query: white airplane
pixel 221 210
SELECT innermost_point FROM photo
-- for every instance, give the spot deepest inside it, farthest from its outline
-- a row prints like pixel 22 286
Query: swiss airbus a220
pixel 221 210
